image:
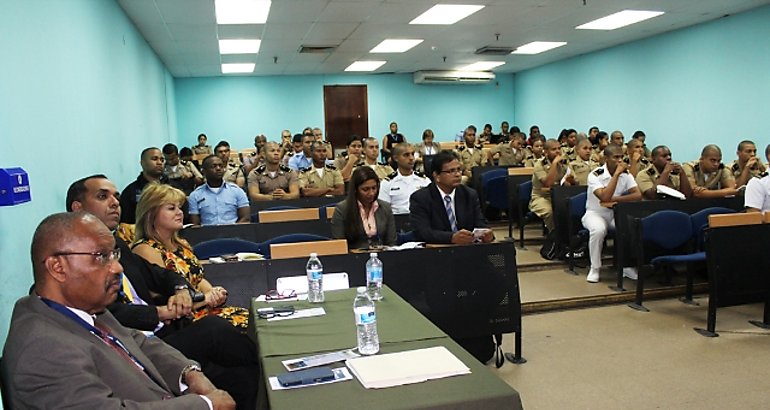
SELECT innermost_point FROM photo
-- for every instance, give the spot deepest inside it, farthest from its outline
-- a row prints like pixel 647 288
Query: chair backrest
pixel 577 205
pixel 748 218
pixel 332 281
pixel 286 215
pixel 521 171
pixel 264 247
pixel 300 249
pixel 525 191
pixel 255 216
pixel 492 173
pixel 326 211
pixel 496 191
pixel 224 246
pixel 667 229
pixel 699 222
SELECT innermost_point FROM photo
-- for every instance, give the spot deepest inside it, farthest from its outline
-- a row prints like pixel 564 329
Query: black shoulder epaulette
pixel 303 170
pixel 344 154
pixel 651 171
pixel 291 154
pixel 392 175
pixel 645 161
pixel 763 174
pixel 479 146
pixel 736 167
pixel 627 160
pixel 284 168
pixel 530 157
pixel 570 151
pixel 261 169
pixel 599 171
pixel 253 154
pixel 183 162
pixel 382 163
pixel 696 167
pixel 331 167
pixel 564 161
pixel 563 145
pixel 721 165
pixel 460 147
pixel 419 174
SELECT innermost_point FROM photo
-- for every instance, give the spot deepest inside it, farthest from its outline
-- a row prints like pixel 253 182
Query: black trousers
pixel 228 357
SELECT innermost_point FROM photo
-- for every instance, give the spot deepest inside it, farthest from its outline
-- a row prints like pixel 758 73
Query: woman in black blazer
pixel 361 218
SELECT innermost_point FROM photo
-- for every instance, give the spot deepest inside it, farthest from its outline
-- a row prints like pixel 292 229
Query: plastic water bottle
pixel 374 276
pixel 366 323
pixel 315 279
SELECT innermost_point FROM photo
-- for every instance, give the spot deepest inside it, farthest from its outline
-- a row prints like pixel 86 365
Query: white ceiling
pixel 184 33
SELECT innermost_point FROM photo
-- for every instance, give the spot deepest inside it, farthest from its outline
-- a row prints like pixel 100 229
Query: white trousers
pixel 598 224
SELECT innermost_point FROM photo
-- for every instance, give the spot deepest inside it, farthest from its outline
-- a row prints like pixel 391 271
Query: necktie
pixel 450 214
pixel 116 345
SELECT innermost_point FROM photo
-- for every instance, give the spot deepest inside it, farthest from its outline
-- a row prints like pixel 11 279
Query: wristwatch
pixel 190 368
pixel 177 288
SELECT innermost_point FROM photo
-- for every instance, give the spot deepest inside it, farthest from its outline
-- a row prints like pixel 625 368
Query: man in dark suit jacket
pixel 428 206
pixel 161 303
pixel 65 350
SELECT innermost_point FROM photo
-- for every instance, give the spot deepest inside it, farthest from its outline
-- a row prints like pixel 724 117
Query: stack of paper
pixel 413 366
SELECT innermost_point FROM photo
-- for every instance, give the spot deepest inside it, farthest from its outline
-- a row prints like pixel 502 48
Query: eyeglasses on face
pixel 104 258
pixel 452 171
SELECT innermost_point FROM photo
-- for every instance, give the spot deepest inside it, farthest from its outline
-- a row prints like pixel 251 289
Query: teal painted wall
pixel 81 93
pixel 699 85
pixel 238 108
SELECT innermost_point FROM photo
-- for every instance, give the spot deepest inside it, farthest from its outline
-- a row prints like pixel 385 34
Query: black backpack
pixel 550 249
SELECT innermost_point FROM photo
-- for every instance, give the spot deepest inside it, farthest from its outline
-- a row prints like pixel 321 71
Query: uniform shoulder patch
pixel 598 171
pixel 382 163
pixel 284 168
pixel 721 165
pixel 331 167
pixel 763 174
pixel 392 175
pixel 260 169
pixel 735 167
pixel 419 174
pixel 303 170
pixel 651 171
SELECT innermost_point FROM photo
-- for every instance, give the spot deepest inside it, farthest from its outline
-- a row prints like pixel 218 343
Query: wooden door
pixel 346 112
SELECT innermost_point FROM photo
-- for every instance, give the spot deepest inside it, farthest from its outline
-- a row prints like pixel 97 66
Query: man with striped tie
pixel 447 211
pixel 65 350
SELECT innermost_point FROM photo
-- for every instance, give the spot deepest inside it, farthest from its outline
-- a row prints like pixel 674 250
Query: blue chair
pixel 496 191
pixel 700 221
pixel 492 173
pixel 322 210
pixel 576 208
pixel 264 247
pixel 671 233
pixel 524 195
pixel 255 216
pixel 224 246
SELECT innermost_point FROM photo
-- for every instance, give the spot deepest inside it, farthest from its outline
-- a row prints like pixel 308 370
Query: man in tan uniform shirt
pixel 320 179
pixel 272 181
pixel 470 154
pixel 747 165
pixel 582 165
pixel 548 173
pixel 709 178
pixel 510 153
pixel 662 171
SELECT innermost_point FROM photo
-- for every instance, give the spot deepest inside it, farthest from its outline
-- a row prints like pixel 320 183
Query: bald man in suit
pixel 65 350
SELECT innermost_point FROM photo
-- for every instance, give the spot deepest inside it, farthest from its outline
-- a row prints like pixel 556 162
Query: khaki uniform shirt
pixel 542 167
pixel 183 170
pixel 568 152
pixel 470 159
pixel 715 181
pixel 232 172
pixel 597 155
pixel 580 170
pixel 330 177
pixel 342 160
pixel 647 177
pixel 268 183
pixel 508 156
pixel 381 169
pixel 198 150
pixel 531 160
pixel 736 170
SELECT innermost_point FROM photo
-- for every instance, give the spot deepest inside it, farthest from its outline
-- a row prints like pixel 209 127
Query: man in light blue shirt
pixel 217 202
pixel 303 160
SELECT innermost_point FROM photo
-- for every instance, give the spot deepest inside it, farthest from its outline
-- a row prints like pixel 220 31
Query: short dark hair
pixel 185 151
pixel 316 144
pixel 612 149
pixel 170 148
pixel 655 151
pixel 353 138
pixel 514 129
pixel 601 135
pixel 744 142
pixel 443 157
pixel 638 134
pixel 220 144
pixel 593 128
pixel 202 135
pixel 532 128
pixel 488 125
pixel 428 133
pixel 471 127
pixel 77 190
pixel 296 138
pixel 206 160
pixel 146 150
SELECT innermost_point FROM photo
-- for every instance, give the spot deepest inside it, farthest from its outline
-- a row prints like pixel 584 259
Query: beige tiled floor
pixel 615 357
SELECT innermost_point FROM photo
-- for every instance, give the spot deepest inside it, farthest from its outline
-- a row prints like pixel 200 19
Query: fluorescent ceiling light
pixel 394 46
pixel 241 11
pixel 619 19
pixel 482 66
pixel 446 14
pixel 238 68
pixel 242 46
pixel 537 47
pixel 365 65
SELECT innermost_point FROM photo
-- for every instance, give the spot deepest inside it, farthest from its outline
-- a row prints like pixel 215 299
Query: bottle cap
pixel 373 254
pixel 313 255
pixel 361 289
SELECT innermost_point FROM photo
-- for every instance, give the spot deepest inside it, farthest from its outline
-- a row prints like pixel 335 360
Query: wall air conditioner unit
pixel 453 77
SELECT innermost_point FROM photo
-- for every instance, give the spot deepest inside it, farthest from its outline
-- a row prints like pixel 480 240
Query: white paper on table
pixel 412 366
pixel 340 375
pixel 662 189
pixel 564 178
pixel 406 245
pixel 307 362
pixel 299 314
pixel 479 233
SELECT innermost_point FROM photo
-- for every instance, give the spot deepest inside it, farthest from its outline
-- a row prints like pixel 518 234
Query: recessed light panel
pixel 537 47
pixel 446 13
pixel 238 68
pixel 619 19
pixel 395 46
pixel 241 11
pixel 365 65
pixel 241 46
pixel 482 66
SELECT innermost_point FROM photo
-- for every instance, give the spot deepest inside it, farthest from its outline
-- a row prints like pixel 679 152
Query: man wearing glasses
pixel 157 301
pixel 65 350
pixel 447 211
